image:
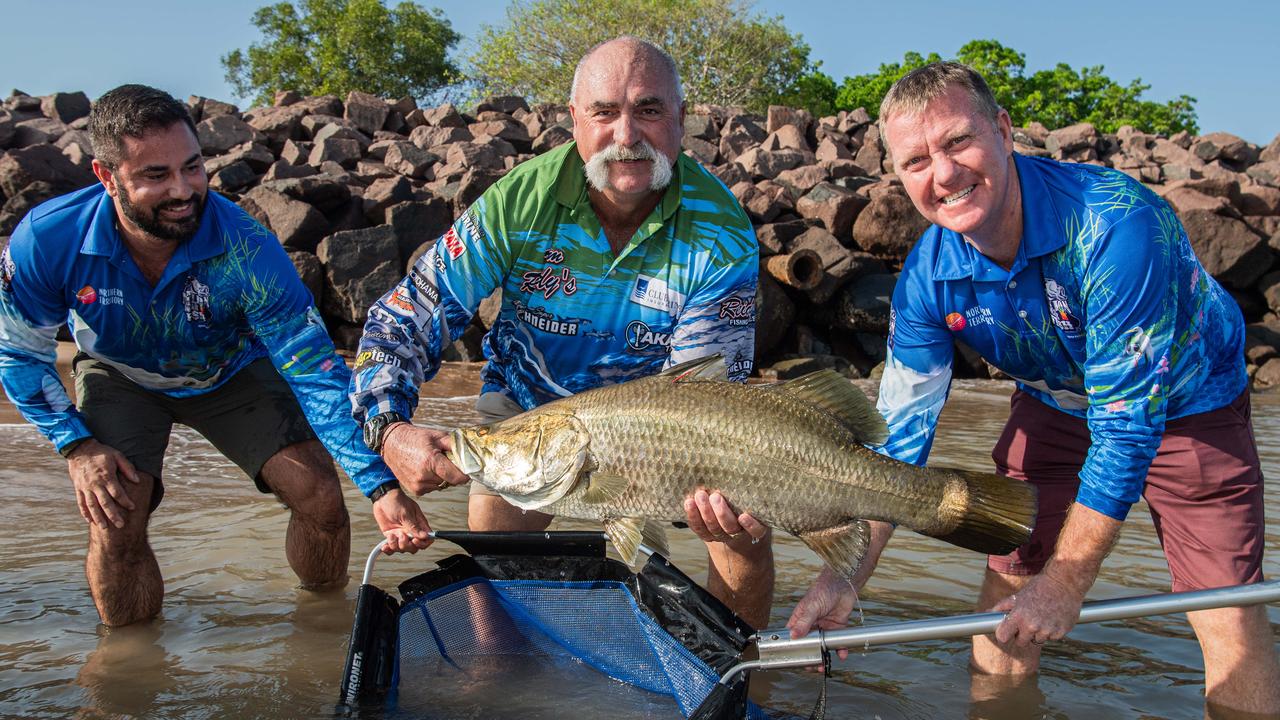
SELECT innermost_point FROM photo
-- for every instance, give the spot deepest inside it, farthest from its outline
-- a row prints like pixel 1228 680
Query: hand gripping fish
pixel 790 454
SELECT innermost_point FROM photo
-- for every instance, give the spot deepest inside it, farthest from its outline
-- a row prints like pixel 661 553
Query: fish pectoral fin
pixel 842 547
pixel 603 488
pixel 627 534
pixel 711 367
pixel 832 393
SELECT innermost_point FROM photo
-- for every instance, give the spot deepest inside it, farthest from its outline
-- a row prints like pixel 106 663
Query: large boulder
pixel 223 132
pixel 360 266
pixel 889 225
pixel 40 163
pixel 835 207
pixel 296 224
pixel 367 112
pixel 418 222
pixel 65 107
pixel 1227 248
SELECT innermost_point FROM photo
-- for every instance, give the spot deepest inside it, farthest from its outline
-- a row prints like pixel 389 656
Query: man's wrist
pixel 383 489
pixel 375 429
pixel 66 450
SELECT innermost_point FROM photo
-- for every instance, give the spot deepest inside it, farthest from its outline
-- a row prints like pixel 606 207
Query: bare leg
pixel 1240 668
pixel 318 542
pixel 490 512
pixel 124 577
pixel 990 657
pixel 740 575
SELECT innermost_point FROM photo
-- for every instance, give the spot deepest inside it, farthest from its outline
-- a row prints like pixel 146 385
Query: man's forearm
pixel 1086 539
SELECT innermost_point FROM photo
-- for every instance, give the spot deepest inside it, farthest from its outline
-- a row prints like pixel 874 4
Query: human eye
pixel 960 142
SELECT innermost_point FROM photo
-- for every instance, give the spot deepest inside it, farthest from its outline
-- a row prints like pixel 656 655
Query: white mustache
pixel 597 168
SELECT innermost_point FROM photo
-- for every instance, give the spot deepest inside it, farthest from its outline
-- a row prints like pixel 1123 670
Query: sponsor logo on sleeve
pixel 654 293
pixel 641 337
pixel 427 291
pixel 400 302
pixel 738 311
pixel 453 244
pixel 376 356
pixel 473 227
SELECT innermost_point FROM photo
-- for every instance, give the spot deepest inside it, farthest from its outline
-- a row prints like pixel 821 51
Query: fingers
pixel 126 468
pixel 402 523
pixel 711 518
pixel 756 529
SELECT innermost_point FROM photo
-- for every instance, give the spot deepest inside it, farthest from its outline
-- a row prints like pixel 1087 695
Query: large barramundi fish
pixel 791 454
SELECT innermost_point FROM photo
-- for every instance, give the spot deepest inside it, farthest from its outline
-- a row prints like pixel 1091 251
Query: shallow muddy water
pixel 238 640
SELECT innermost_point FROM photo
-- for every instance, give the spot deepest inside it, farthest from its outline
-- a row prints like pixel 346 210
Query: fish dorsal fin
pixel 831 392
pixel 711 367
pixel 603 489
pixel 627 534
pixel 842 547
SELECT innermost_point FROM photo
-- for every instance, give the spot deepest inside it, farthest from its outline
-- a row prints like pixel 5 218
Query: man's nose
pixel 625 131
pixel 945 169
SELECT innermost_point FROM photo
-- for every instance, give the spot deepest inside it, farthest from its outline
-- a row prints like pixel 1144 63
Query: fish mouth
pixel 464 457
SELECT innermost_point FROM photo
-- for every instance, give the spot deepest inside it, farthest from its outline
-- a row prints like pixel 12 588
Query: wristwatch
pixel 375 428
pixel 383 489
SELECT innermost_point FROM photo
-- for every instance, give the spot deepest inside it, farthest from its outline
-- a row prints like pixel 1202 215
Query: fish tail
pixel 998 515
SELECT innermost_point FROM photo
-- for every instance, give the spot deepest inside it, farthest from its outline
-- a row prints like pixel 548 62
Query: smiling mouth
pixel 956 197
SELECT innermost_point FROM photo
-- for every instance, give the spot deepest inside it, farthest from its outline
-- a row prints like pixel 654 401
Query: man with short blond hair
pixel 1081 284
pixel 617 257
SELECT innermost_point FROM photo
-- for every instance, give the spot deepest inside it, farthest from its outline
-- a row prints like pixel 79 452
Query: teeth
pixel 954 198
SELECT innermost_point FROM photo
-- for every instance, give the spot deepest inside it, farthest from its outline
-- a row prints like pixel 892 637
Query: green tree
pixel 1057 97
pixel 726 55
pixel 866 91
pixel 319 47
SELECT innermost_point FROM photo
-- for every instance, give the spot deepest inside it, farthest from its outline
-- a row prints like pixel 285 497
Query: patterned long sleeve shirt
pixel 574 314
pixel 229 296
pixel 1106 314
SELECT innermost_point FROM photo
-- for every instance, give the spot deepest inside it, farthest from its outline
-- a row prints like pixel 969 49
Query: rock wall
pixel 357 188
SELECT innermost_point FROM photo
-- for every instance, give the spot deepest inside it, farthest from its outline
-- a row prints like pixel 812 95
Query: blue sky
pixel 1214 52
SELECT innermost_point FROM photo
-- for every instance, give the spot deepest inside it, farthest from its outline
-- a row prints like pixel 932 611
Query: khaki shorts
pixel 493 406
pixel 249 418
pixel 1204 490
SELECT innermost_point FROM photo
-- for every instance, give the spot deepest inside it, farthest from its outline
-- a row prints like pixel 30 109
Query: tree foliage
pixel 1056 97
pixel 726 55
pixel 320 47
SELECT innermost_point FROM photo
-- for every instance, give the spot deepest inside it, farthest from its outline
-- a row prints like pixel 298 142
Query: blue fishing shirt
pixel 229 296
pixel 574 315
pixel 1106 314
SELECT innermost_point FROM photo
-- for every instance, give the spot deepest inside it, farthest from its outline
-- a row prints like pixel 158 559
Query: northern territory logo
pixel 641 337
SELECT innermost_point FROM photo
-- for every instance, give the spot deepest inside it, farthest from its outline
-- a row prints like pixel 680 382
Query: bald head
pixel 622 52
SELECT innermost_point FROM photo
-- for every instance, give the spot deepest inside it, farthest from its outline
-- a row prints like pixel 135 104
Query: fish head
pixel 531 460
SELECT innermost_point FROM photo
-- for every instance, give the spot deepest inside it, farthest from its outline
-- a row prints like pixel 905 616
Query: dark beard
pixel 151 223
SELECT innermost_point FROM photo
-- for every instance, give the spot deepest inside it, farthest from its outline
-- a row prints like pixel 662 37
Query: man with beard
pixel 617 256
pixel 184 310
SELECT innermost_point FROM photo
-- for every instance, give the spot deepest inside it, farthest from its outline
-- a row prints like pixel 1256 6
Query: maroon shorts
pixel 1204 489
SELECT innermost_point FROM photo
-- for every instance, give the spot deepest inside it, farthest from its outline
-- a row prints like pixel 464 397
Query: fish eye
pixel 481 432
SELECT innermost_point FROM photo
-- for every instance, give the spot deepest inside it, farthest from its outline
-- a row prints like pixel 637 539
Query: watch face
pixel 372 428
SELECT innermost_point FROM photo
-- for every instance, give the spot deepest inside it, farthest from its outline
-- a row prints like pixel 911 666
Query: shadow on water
pixel 238 639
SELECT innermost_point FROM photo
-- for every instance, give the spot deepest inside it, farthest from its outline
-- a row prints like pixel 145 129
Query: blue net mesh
pixel 561 632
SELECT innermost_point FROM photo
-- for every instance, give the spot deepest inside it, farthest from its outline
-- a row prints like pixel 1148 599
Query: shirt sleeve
pixel 720 316
pixel 281 312
pixel 31 310
pixel 1130 300
pixel 408 328
pixel 917 370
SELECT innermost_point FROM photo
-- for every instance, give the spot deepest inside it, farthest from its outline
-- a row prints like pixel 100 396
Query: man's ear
pixel 105 176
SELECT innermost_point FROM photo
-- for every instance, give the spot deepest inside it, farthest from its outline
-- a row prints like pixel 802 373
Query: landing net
pixel 543 625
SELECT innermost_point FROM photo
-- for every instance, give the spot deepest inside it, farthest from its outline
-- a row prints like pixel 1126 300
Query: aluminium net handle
pixel 777 650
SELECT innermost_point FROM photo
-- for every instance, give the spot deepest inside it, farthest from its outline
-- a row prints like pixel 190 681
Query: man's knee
pixel 302 476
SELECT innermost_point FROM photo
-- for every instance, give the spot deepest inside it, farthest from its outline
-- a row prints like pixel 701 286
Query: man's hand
pixel 712 519
pixel 417 457
pixel 402 522
pixel 1045 609
pixel 1048 606
pixel 826 606
pixel 95 471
